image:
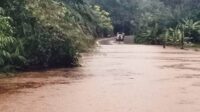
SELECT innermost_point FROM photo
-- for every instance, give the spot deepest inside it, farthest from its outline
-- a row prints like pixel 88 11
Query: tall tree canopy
pixel 50 33
pixel 47 33
pixel 149 20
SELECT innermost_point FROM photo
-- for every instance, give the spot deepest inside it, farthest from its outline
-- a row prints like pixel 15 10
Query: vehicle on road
pixel 120 36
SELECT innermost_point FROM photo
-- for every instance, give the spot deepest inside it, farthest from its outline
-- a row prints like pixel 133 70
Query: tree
pixel 10 48
pixel 46 33
pixel 104 24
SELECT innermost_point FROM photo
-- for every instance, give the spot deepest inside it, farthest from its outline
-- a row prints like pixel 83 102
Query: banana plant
pixel 190 25
pixel 175 36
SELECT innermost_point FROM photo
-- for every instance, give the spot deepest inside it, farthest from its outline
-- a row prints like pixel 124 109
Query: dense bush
pixel 44 33
pixel 170 22
pixel 10 48
pixel 151 20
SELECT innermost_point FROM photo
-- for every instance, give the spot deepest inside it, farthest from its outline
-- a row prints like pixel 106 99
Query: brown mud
pixel 117 78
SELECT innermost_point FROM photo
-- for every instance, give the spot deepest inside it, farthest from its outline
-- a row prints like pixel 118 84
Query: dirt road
pixel 116 78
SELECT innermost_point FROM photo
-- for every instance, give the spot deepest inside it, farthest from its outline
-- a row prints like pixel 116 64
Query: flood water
pixel 117 77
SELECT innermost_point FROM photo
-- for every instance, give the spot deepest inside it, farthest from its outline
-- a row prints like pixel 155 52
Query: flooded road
pixel 116 78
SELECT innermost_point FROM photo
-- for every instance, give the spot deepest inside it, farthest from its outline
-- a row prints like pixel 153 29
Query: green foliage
pixel 175 35
pixel 91 18
pixel 46 33
pixel 167 14
pixel 10 48
pixel 186 28
pixel 150 19
pixel 121 12
pixel 104 24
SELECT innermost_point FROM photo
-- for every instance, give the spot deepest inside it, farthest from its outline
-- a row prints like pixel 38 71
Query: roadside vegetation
pixel 48 33
pixel 53 33
pixel 173 22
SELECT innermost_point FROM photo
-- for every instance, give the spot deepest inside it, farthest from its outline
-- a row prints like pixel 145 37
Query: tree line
pixel 156 21
pixel 48 33
pixel 51 33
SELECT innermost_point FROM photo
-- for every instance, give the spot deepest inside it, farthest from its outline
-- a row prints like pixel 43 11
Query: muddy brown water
pixel 116 78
